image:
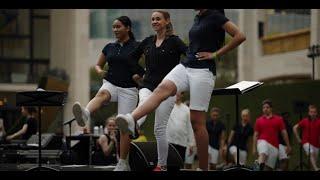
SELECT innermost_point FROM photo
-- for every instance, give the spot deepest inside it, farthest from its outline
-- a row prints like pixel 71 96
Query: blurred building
pixel 34 41
pixel 276 47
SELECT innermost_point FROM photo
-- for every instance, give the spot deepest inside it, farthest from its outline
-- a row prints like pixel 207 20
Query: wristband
pixel 214 55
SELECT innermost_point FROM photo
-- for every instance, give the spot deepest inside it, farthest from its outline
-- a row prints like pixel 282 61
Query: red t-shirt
pixel 314 128
pixel 269 128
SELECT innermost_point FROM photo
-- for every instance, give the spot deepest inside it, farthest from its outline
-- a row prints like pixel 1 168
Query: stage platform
pixel 25 167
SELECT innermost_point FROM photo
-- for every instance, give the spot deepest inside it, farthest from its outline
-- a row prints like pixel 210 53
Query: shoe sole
pixel 77 112
pixel 122 124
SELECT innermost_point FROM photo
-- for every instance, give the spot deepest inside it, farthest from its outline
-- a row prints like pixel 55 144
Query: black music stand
pixel 39 99
pixel 236 90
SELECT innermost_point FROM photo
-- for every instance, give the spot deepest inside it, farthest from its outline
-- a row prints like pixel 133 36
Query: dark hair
pixel 215 109
pixel 125 20
pixel 166 15
pixel 312 106
pixel 30 109
pixel 267 101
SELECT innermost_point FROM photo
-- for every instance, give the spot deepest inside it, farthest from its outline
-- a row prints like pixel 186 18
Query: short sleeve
pixel 220 19
pixel 281 124
pixel 181 46
pixel 301 124
pixel 105 50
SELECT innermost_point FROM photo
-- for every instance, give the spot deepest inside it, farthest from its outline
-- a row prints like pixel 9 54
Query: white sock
pixel 122 161
pixel 130 116
pixel 86 110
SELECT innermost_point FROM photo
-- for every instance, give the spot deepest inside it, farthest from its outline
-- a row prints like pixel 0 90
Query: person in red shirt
pixel 310 127
pixel 265 138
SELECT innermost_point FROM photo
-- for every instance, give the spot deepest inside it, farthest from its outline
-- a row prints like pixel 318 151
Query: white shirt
pixel 179 130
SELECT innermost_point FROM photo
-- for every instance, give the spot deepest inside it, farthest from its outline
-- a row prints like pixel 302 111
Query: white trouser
pixel 213 155
pixel 270 151
pixel 282 152
pixel 242 154
pixel 313 149
pixel 162 115
pixel 200 83
pixel 189 158
pixel 127 98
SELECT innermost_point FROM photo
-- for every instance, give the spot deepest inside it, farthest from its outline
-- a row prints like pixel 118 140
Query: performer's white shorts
pixel 242 154
pixel 313 149
pixel 213 155
pixel 127 98
pixel 200 83
pixel 270 151
pixel 282 152
pixel 189 158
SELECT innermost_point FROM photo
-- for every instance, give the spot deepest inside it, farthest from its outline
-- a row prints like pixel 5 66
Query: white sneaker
pixel 126 123
pixel 80 114
pixel 198 169
pixel 122 166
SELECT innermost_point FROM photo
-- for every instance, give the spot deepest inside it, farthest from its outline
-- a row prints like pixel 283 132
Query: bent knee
pixel 166 87
pixel 103 94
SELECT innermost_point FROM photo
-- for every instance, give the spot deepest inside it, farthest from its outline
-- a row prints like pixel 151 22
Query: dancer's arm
pixel 254 143
pixel 22 131
pixel 100 64
pixel 286 139
pixel 296 133
pixel 230 137
pixel 237 38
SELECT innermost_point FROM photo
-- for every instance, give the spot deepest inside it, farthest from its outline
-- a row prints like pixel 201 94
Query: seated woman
pixel 2 130
pixel 107 144
pixel 30 125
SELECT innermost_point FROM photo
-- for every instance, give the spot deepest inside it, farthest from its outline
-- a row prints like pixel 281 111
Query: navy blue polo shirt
pixel 121 67
pixel 241 136
pixel 204 36
pixel 159 60
pixel 214 131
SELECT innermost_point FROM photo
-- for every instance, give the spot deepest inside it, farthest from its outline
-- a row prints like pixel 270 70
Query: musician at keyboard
pixel 29 127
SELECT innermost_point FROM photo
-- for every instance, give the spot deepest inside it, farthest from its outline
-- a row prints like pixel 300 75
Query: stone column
pixel 70 51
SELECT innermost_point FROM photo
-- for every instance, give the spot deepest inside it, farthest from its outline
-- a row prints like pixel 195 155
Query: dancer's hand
pixel 113 136
pixel 86 130
pixel 288 149
pixel 206 55
pixel 299 140
pixel 9 138
pixel 254 151
pixel 191 149
pixel 101 73
pixel 138 79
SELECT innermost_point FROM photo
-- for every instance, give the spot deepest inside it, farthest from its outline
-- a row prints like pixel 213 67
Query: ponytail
pixel 169 29
pixel 131 35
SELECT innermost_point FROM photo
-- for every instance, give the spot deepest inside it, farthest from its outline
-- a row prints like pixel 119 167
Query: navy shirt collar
pixel 204 14
pixel 125 43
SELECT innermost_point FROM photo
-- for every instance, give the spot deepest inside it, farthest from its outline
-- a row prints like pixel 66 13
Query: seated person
pixel 30 125
pixel 2 130
pixel 241 135
pixel 107 144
